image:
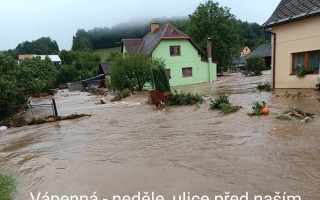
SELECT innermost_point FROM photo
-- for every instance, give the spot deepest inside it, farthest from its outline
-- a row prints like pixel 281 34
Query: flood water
pixel 130 146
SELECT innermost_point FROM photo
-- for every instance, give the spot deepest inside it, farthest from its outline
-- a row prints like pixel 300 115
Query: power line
pixel 189 8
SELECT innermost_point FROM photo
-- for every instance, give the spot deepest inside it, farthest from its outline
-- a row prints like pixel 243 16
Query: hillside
pixel 105 53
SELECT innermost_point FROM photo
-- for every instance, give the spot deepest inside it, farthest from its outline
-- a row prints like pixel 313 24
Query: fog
pixel 59 19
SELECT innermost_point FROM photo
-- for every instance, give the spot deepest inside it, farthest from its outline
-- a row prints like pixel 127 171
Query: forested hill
pixel 106 37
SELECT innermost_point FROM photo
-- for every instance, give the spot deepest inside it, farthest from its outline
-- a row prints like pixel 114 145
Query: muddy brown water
pixel 129 146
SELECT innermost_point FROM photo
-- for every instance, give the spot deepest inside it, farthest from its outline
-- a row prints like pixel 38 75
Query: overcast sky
pixel 23 20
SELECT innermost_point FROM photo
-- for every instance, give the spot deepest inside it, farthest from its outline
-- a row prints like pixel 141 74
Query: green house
pixel 185 62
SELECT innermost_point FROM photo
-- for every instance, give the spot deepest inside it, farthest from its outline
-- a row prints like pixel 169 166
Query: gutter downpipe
pixel 274 60
pixel 273 57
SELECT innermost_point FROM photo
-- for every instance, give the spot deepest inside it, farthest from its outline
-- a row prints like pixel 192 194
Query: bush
pixel 132 71
pixel 35 76
pixel 255 66
pixel 67 74
pixel 264 86
pixel 160 78
pixel 257 107
pixel 217 102
pixel 222 103
pixel 11 97
pixel 182 98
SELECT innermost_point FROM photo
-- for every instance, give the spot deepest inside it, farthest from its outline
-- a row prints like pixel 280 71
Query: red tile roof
pixel 151 40
pixel 21 57
pixel 133 45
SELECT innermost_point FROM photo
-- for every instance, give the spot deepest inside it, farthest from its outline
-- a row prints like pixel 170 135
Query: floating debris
pixel 294 112
pixel 304 117
pixel 283 117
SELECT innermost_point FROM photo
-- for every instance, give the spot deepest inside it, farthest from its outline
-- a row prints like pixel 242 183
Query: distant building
pixel 244 51
pixel 54 58
pixel 295 28
pixel 263 51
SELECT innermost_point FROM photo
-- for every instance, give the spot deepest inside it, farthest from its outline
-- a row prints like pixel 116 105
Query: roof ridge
pixel 165 29
pixel 289 11
pixel 142 43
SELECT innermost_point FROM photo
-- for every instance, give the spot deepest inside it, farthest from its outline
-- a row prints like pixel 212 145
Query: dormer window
pixel 175 51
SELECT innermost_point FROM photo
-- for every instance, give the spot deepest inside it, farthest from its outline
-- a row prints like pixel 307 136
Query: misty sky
pixel 23 20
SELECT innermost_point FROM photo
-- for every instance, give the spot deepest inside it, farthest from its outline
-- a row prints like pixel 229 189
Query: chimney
pixel 154 27
pixel 209 48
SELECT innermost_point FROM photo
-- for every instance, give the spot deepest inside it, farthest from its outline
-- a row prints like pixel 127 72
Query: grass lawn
pixel 7 187
pixel 105 53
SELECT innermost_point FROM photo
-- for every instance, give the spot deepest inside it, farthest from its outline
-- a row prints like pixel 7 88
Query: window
pixel 175 51
pixel 168 72
pixel 309 60
pixel 187 72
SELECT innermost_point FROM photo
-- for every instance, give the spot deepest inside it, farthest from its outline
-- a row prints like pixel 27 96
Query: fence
pixel 42 110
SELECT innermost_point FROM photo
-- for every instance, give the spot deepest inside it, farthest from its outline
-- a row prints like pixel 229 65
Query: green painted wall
pixel 189 58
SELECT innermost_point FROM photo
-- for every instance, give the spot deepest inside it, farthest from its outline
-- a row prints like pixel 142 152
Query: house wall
pixel 300 36
pixel 189 58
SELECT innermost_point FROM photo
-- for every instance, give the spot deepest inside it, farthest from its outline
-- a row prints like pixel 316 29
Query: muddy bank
pixel 129 146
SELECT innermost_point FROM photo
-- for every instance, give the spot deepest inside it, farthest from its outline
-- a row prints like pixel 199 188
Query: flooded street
pixel 129 146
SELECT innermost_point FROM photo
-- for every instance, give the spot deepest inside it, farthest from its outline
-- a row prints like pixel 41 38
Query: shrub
pixel 228 108
pixel 160 79
pixel 257 107
pixel 217 102
pixel 11 97
pixel 67 74
pixel 222 103
pixel 264 86
pixel 182 98
pixel 132 71
pixel 255 66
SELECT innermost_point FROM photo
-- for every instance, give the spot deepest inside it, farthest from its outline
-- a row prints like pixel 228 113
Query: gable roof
pixel 263 50
pixel 293 10
pixel 104 68
pixel 133 45
pixel 151 40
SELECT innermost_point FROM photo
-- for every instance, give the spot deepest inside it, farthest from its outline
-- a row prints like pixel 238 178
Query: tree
pixel 132 72
pixel 210 20
pixel 11 96
pixel 41 46
pixel 160 78
pixel 6 64
pixel 35 76
pixel 82 41
pixel 253 35
pixel 85 63
pixel 255 65
pixel 67 74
